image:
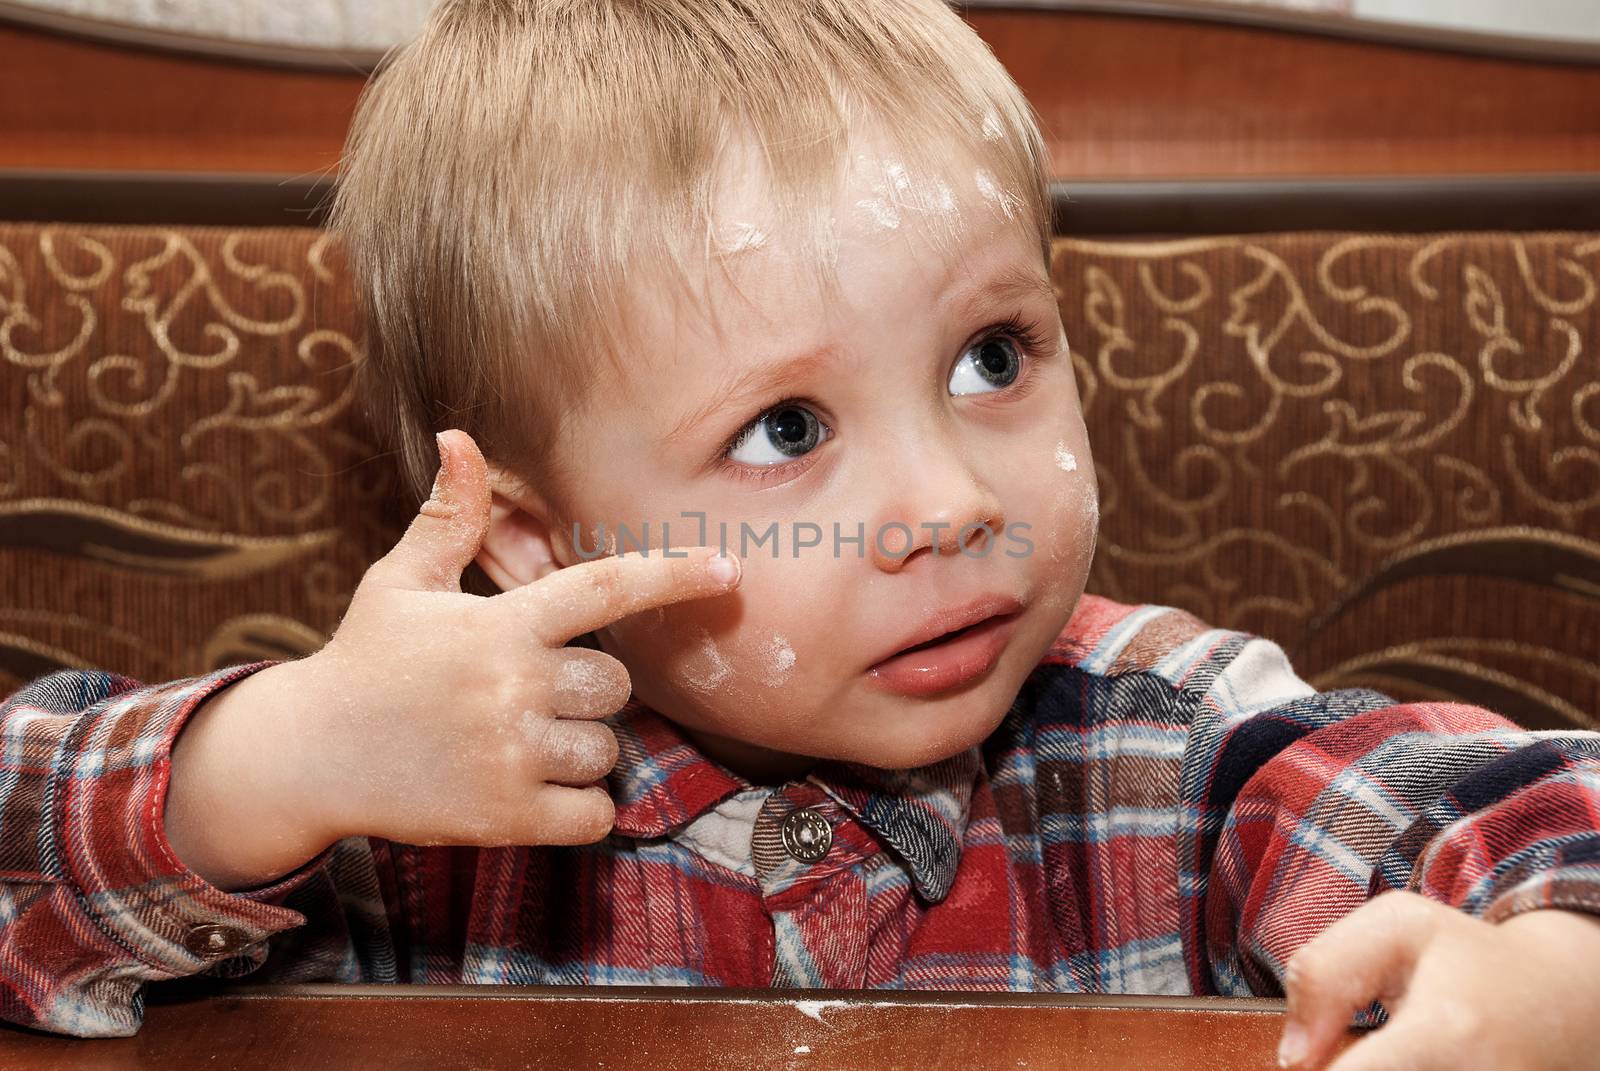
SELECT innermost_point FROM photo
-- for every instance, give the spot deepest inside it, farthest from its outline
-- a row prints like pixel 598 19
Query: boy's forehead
pixel 759 288
pixel 885 231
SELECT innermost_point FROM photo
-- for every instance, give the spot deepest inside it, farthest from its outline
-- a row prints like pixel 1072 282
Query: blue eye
pixel 988 365
pixel 778 435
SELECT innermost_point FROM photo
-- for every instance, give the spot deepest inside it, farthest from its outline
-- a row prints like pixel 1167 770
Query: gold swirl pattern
pixel 183 475
pixel 1382 451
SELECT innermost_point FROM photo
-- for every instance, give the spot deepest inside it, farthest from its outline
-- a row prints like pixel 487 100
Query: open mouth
pixel 947 637
pixel 947 661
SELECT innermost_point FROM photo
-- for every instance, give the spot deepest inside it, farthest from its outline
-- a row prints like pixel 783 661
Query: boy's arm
pixel 93 899
pixel 1306 809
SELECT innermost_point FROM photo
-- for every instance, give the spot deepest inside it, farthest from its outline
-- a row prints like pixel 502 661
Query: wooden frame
pixel 1298 127
pixel 668 1027
pixel 1098 209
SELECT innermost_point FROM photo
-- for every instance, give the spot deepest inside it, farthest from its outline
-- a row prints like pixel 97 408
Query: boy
pixel 885 741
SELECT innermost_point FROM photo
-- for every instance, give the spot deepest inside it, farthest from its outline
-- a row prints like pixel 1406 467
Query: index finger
pixel 593 594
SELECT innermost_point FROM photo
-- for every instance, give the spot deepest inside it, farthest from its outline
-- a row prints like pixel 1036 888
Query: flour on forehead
pixel 739 236
pixel 1006 201
pixel 894 193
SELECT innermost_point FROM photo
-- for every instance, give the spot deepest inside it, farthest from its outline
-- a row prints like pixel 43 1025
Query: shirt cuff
pixel 1567 877
pixel 112 842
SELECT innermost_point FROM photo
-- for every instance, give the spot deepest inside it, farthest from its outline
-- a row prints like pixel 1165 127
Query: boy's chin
pixel 915 743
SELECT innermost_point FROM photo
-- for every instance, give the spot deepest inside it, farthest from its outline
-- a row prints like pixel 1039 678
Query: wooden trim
pixel 1322 24
pixel 1396 205
pixel 174 198
pixel 1389 205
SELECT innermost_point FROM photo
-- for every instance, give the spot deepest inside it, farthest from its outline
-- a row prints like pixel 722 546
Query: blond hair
pixel 509 170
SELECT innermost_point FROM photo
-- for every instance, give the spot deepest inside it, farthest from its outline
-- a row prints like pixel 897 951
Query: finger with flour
pixel 594 594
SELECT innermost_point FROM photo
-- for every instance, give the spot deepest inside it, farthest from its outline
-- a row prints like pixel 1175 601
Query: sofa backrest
pixel 1381 451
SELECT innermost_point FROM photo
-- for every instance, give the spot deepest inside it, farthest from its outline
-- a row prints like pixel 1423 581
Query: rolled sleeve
pixel 109 822
pixel 94 900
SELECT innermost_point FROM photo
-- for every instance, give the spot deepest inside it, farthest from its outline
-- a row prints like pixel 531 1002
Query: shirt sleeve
pixel 1307 804
pixel 93 901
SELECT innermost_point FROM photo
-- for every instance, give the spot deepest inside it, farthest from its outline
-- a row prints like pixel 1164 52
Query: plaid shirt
pixel 1166 808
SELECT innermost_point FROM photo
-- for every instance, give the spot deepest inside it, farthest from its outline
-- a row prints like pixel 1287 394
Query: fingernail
pixel 723 567
pixel 1292 1047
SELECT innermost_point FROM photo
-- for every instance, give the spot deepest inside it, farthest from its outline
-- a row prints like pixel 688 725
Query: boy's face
pixel 907 401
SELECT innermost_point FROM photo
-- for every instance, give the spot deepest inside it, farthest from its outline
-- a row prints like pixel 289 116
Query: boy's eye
pixel 988 365
pixel 781 434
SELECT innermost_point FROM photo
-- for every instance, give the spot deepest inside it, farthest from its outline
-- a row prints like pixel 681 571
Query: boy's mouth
pixel 946 624
pixel 951 648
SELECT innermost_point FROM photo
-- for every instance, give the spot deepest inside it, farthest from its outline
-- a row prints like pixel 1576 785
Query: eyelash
pixel 1027 333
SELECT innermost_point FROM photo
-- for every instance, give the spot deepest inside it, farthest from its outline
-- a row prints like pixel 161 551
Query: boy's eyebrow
pixel 777 376
pixel 1012 283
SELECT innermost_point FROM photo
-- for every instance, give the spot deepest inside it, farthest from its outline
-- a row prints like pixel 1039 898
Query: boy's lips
pixel 950 648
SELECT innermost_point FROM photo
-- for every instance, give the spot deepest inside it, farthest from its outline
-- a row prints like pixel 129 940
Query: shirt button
pixel 807 835
pixel 209 942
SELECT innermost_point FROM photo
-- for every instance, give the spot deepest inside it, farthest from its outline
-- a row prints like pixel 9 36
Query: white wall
pixel 353 24
pixel 1578 19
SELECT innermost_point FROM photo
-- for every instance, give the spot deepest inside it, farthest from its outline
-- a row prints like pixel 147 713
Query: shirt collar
pixel 662 782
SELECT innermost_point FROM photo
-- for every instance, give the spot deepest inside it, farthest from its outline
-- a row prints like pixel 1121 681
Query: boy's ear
pixel 517 549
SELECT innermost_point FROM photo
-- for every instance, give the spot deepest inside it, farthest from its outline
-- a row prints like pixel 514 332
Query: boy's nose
pixel 939 508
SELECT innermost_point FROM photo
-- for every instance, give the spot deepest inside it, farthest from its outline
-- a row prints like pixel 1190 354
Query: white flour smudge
pixel 882 212
pixel 708 667
pixel 581 675
pixel 815 1008
pixel 992 130
pixel 896 192
pixel 742 236
pixel 1007 202
pixel 801 1049
pixel 1065 459
pixel 780 659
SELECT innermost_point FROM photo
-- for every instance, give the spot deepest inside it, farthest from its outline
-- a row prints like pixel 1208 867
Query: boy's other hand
pixel 432 716
pixel 1460 992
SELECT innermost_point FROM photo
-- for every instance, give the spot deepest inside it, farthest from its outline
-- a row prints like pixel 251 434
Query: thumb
pixel 449 527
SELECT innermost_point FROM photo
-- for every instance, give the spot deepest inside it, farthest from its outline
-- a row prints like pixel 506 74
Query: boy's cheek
pixel 736 648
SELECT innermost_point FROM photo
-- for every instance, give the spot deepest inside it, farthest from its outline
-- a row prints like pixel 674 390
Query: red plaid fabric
pixel 1166 808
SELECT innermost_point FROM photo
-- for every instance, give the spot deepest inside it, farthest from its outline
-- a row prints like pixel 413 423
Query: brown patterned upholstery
pixel 1381 451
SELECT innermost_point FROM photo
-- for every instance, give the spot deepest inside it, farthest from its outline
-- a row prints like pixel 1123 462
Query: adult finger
pixel 588 684
pixel 593 594
pixel 1365 956
pixel 449 527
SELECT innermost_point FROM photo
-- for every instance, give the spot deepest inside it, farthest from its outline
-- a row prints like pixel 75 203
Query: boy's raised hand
pixel 432 716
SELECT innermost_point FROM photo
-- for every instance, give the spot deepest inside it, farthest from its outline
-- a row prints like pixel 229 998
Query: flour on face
pixel 779 659
pixel 708 667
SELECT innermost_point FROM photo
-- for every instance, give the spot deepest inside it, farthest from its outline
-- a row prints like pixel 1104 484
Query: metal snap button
pixel 807 835
pixel 213 941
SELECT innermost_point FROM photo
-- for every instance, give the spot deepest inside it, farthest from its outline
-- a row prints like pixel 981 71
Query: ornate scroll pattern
pixel 182 444
pixel 1290 416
